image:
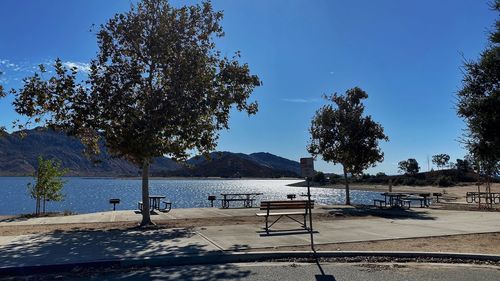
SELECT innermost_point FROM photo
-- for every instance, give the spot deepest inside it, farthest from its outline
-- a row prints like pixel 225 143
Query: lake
pixel 87 195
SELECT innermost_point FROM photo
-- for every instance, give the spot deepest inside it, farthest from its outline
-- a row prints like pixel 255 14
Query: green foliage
pixel 48 184
pixel 366 176
pixel 479 105
pixel 409 181
pixel 380 174
pixel 2 91
pixel 341 134
pixel 409 167
pixel 319 177
pixel 463 165
pixel 444 181
pixel 2 94
pixel 440 160
pixel 157 87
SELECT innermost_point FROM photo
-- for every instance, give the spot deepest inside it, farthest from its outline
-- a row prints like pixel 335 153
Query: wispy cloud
pixel 14 71
pixel 80 66
pixel 300 100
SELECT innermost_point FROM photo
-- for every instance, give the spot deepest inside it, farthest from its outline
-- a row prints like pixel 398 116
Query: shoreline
pixel 163 178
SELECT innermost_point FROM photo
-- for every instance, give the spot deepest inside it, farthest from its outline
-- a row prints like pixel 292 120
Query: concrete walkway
pixel 135 216
pixel 81 246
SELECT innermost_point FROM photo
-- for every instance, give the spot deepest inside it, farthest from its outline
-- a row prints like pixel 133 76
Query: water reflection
pixel 86 195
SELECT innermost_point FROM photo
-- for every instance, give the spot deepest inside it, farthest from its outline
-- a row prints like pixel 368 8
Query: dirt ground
pixel 450 194
pixel 486 243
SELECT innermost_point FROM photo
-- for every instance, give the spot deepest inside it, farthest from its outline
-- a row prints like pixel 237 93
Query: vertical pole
pixel 310 213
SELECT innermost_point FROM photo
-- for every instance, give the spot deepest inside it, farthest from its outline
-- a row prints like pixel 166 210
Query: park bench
pixel 301 208
pixel 423 200
pixel 247 203
pixel 167 208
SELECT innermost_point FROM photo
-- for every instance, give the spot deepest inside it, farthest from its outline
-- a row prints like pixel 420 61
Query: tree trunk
pixel 37 208
pixel 488 193
pixel 146 218
pixel 347 195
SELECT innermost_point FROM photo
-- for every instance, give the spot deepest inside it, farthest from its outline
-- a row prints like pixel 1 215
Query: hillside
pixel 18 157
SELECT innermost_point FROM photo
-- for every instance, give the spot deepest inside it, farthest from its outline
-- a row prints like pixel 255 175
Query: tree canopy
pixel 440 160
pixel 158 86
pixel 479 104
pixel 409 166
pixel 341 134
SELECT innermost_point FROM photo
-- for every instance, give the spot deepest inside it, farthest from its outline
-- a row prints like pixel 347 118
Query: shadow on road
pixel 77 246
pixel 323 276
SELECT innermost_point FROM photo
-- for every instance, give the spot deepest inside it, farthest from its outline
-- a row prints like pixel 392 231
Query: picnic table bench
pixel 475 197
pixel 301 208
pixel 246 198
pixel 402 199
pixel 155 202
pixel 379 203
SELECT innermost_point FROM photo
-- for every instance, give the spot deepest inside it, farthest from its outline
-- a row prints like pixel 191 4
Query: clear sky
pixel 407 55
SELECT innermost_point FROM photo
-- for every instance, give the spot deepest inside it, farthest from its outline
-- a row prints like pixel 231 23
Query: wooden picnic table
pixel 399 198
pixel 394 197
pixel 246 198
pixel 475 197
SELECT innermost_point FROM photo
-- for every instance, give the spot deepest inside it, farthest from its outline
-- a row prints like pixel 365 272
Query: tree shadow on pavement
pixel 387 213
pixel 192 272
pixel 82 246
pixel 238 248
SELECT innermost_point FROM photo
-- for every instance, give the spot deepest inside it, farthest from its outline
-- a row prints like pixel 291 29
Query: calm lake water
pixel 87 195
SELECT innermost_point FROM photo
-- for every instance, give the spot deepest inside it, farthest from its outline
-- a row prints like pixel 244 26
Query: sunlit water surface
pixel 87 195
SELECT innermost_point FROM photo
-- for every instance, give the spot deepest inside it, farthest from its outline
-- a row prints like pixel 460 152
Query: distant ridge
pixel 18 158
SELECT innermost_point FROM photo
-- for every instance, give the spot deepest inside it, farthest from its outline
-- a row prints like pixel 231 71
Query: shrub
pixel 409 181
pixel 444 181
pixel 319 177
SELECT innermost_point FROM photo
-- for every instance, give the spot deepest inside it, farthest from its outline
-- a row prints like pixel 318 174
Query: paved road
pixel 303 272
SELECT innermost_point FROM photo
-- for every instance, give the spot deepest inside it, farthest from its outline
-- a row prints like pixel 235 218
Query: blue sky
pixel 405 54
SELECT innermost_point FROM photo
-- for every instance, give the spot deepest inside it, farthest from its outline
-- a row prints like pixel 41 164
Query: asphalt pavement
pixel 297 272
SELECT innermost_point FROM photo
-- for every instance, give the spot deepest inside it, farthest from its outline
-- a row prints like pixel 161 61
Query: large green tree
pixel 479 105
pixel 341 134
pixel 158 86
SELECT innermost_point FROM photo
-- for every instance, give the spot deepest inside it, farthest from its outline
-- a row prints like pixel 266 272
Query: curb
pixel 233 257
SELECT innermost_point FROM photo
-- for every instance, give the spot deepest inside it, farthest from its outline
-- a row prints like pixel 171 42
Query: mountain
pixel 228 164
pixel 276 162
pixel 18 156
